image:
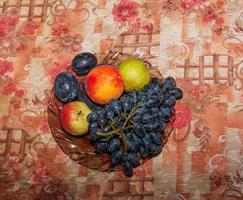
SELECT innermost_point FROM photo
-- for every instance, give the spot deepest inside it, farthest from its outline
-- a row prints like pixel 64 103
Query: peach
pixel 103 84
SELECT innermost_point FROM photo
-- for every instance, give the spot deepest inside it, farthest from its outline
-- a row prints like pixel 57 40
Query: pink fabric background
pixel 197 41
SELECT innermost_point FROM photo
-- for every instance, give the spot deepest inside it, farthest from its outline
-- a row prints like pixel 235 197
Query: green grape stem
pixel 124 142
pixel 107 139
pixel 115 131
pixel 109 133
pixel 112 124
pixel 132 113
pixel 127 128
pixel 120 131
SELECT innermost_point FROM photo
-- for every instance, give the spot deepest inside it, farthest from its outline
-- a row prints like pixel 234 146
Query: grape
pixel 101 114
pixel 109 114
pixel 83 63
pixel 134 97
pixel 156 138
pixel 117 157
pixel 115 106
pixel 140 95
pixel 93 126
pixel 167 85
pixel 156 149
pixel 137 141
pixel 152 127
pixel 146 118
pixel 118 124
pixel 102 121
pixel 93 135
pixel 107 129
pixel 162 98
pixel 145 89
pixel 147 142
pixel 127 104
pixel 122 116
pixel 122 99
pixel 170 101
pixel 170 80
pixel 155 81
pixel 114 145
pixel 131 146
pixel 155 115
pixel 133 159
pixel 66 87
pixel 142 111
pixel 101 147
pixel 92 117
pixel 177 93
pixel 154 110
pixel 151 92
pixel 152 101
pixel 166 112
pixel 139 130
pixel 143 152
pixel 115 120
pixel 127 168
pixel 136 118
pixel 114 159
pixel 154 88
pixel 162 125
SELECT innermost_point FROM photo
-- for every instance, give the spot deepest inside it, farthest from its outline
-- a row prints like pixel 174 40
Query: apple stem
pixel 79 112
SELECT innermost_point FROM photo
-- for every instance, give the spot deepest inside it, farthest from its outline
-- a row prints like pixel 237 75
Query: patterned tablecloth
pixel 197 41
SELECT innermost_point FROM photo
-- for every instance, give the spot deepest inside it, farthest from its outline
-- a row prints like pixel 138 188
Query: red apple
pixel 73 117
pixel 103 84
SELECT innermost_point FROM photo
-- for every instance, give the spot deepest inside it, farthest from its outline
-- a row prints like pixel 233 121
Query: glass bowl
pixel 80 149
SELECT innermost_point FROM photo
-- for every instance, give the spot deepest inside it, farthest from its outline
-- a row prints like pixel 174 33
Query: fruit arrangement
pixel 120 111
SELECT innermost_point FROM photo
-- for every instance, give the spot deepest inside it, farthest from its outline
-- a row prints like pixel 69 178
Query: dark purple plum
pixel 83 63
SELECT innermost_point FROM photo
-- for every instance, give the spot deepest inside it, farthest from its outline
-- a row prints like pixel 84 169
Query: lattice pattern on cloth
pixel 134 188
pixel 29 9
pixel 209 72
pixel 13 142
pixel 131 43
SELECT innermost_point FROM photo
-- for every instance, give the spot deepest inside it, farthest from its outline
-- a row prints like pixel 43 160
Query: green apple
pixel 73 118
pixel 134 73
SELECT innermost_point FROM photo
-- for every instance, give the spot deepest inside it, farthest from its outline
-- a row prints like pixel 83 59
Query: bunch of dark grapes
pixel 131 128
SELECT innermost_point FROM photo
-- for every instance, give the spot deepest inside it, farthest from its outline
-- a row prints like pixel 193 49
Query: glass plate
pixel 80 149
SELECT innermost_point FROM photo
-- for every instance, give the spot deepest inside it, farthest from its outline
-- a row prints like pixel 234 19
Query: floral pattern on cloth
pixel 137 17
pixel 182 116
pixel 199 42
